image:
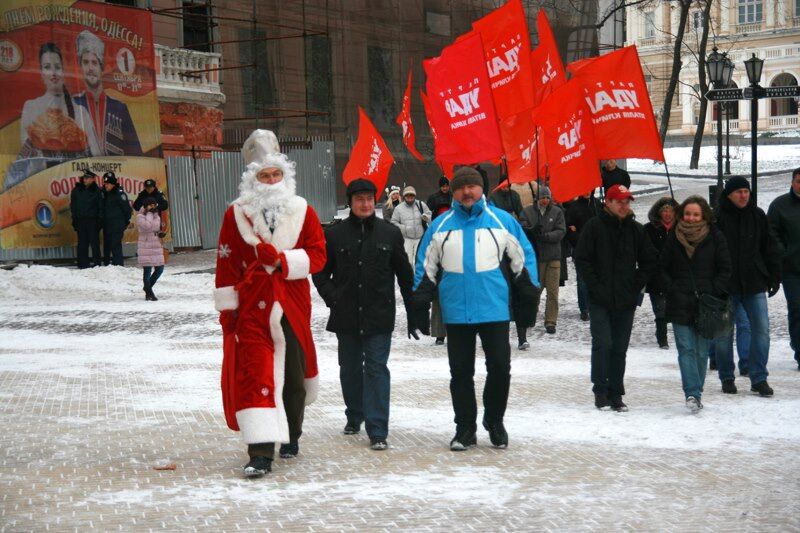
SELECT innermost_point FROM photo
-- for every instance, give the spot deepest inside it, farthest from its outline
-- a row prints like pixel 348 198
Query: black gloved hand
pixel 419 308
pixel 162 234
pixel 774 287
pixel 524 298
pixel 537 231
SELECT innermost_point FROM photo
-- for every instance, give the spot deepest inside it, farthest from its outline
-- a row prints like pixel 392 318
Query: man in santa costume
pixel 270 241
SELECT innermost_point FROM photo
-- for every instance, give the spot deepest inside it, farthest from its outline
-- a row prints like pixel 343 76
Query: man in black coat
pixel 577 213
pixel 616 259
pixel 151 191
pixel 365 254
pixel 784 218
pixel 756 262
pixel 439 202
pixel 116 218
pixel 613 175
pixel 86 207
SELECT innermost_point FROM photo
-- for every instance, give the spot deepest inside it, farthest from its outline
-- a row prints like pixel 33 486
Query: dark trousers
pixel 791 288
pixel 461 355
pixel 294 393
pixel 659 304
pixel 88 237
pixel 611 333
pixel 365 380
pixel 112 247
pixel 151 274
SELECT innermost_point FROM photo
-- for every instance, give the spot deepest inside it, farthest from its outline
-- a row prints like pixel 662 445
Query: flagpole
pixel 669 181
pixel 538 180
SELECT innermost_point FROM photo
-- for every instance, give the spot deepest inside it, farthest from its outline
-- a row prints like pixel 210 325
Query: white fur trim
pixel 312 389
pixel 298 264
pixel 269 424
pixel 226 298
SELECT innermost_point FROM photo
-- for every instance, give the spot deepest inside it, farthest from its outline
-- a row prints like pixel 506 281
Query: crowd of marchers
pixel 108 210
pixel 467 263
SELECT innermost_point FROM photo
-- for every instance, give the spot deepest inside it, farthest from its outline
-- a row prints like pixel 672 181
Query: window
pixel 649 24
pixel 750 11
pixel 196 26
pixel 258 84
pixel 381 86
pixel 319 76
pixel 697 21
pixel 797 8
pixel 439 23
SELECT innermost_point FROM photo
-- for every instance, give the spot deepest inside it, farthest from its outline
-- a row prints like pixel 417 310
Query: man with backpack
pixel 412 217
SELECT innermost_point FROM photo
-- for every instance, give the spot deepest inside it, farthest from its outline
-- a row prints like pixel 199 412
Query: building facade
pixel 768 28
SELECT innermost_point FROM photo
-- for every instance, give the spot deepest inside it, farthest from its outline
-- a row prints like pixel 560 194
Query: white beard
pixel 260 199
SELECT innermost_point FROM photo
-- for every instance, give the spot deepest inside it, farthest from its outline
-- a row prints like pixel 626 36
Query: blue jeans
pixel 365 380
pixel 755 307
pixel 742 338
pixel 150 279
pixel 791 288
pixel 692 359
pixel 583 294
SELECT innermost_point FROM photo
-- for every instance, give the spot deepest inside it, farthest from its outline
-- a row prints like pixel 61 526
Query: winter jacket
pixel 755 251
pixel 658 236
pixel 149 248
pixel 439 203
pixel 116 210
pixel 411 219
pixel 618 176
pixel 357 282
pixel 464 253
pixel 86 202
pixel 545 231
pixel 784 218
pixel 615 259
pixel 577 213
pixel 163 205
pixel 507 200
pixel 710 266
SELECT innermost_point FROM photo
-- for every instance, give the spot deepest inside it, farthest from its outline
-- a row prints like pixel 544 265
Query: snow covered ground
pixel 770 157
pixel 98 387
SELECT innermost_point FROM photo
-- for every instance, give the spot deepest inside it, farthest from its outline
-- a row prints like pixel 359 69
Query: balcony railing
pixel 771 52
pixel 786 121
pixel 748 28
pixel 647 41
pixel 188 76
pixel 734 125
pixel 796 22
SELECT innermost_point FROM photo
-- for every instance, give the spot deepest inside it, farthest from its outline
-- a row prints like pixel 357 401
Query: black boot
pixel 147 292
pixel 258 466
pixel 661 333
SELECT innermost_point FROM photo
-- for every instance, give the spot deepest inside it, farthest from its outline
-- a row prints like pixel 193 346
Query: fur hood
pixel 654 214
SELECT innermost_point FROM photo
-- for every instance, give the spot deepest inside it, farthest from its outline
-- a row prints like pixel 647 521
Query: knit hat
pixel 443 181
pixel 544 192
pixel 409 190
pixel 360 185
pixel 110 177
pixel 466 176
pixel 734 184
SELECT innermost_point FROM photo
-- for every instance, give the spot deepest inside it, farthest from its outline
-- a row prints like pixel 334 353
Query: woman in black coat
pixel 661 221
pixel 695 260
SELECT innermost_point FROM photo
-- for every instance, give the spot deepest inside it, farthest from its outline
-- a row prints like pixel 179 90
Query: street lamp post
pixel 754 66
pixel 728 106
pixel 720 71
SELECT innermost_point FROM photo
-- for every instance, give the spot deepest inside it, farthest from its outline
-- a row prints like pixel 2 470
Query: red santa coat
pixel 254 356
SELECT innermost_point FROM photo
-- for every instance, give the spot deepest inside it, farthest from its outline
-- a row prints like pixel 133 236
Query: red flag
pixel 404 120
pixel 569 142
pixel 615 90
pixel 506 42
pixel 461 107
pixel 548 69
pixel 447 168
pixel 370 158
pixel 520 142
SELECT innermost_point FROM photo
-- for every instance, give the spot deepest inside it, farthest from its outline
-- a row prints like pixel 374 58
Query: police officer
pixel 116 217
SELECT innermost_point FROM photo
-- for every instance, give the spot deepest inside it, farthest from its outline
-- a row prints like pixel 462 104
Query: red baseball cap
pixel 619 192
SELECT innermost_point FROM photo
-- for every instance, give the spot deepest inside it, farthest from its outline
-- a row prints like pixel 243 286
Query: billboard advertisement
pixel 78 92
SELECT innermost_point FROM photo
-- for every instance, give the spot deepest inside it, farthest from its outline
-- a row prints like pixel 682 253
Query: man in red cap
pixel 616 260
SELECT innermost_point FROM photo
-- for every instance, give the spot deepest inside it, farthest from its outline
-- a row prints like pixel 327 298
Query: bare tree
pixel 684 6
pixel 701 76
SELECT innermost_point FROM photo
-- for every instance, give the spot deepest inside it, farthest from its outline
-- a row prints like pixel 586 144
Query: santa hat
pixel 261 150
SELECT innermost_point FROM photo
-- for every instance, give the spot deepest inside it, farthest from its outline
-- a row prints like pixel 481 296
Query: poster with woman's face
pixel 79 93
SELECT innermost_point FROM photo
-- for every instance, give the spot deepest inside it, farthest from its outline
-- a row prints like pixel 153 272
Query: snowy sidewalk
pixel 98 387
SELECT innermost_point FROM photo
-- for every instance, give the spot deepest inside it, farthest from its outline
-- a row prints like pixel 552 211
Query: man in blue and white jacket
pixel 481 262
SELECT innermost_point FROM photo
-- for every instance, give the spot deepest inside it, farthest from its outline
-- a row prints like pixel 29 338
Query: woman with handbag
pixel 695 269
pixel 149 249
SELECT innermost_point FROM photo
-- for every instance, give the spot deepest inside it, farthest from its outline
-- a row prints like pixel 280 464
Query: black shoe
pixel 584 316
pixel 439 341
pixel 550 329
pixel 763 389
pixel 744 372
pixel 352 428
pixel 378 444
pixel 289 451
pixel 728 387
pixel 712 365
pixel 497 434
pixel 463 440
pixel 523 345
pixel 618 405
pixel 664 346
pixel 258 466
pixel 601 400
